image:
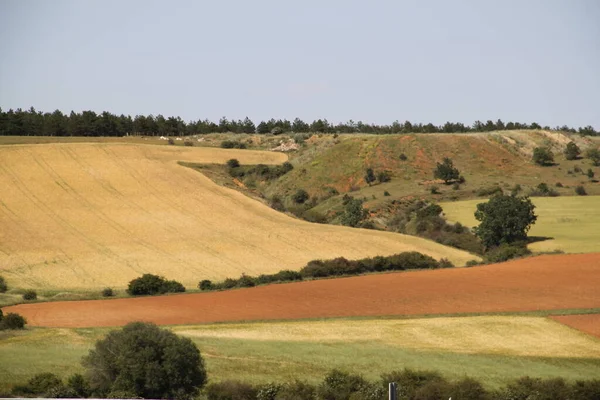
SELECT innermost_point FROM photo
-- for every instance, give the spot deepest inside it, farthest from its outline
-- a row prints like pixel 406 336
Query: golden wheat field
pixel 86 216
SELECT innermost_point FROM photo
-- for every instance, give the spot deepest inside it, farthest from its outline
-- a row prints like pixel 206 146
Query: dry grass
pixel 86 216
pixel 516 336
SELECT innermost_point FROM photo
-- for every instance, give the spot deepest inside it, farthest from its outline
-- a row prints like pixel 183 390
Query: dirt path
pixel 541 283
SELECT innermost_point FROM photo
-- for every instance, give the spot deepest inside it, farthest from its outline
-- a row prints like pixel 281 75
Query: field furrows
pixel 83 216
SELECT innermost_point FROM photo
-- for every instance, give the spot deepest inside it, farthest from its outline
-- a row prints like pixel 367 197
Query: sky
pixel 371 61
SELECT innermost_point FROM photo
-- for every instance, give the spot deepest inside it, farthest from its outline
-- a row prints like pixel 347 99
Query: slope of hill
pixel 86 216
pixel 500 158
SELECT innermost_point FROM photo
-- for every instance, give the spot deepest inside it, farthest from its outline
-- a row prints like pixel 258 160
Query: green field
pixel 572 222
pixel 493 349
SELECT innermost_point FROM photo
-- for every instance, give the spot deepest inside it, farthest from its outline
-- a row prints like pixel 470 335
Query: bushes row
pixel 149 284
pixel 259 171
pixel 230 144
pixel 336 267
pixel 412 385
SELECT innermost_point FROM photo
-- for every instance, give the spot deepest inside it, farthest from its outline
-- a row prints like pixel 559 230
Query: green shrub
pixel 339 385
pixel 543 156
pixel 410 381
pixel 434 190
pixel 30 295
pixel 490 191
pixel 580 190
pixel 227 144
pixel 3 285
pixel 107 292
pixel 386 193
pixel 171 142
pixel 594 155
pixel 205 284
pixel 384 176
pixel 149 284
pixel 79 385
pixel 12 321
pixel 572 151
pixel 506 252
pixel 558 184
pixel 233 163
pixel 403 157
pixel 39 385
pixel 230 390
pixel 188 143
pixel 300 196
pixel 590 173
pixel 296 390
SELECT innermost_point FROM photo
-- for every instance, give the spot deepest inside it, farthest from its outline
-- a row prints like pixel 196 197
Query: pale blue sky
pixel 375 61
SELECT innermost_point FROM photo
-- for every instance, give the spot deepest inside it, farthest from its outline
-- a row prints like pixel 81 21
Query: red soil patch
pixel 589 323
pixel 541 283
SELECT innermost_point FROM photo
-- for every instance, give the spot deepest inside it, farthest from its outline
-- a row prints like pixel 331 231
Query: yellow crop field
pixel 572 224
pixel 86 216
pixel 507 335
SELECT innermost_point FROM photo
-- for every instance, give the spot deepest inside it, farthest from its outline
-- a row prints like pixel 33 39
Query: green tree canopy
pixel 572 151
pixel 446 171
pixel 504 219
pixel 145 361
pixel 543 156
pixel 354 213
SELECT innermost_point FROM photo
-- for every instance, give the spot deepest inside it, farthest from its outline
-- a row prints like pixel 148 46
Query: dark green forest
pixel 87 123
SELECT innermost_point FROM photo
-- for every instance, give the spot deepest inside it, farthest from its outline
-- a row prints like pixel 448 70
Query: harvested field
pixel 86 216
pixel 540 283
pixel 589 323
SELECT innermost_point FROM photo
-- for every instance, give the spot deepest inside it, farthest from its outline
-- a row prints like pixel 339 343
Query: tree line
pixel 88 123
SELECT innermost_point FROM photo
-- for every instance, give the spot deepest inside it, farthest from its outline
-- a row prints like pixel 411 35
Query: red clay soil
pixel 589 323
pixel 541 283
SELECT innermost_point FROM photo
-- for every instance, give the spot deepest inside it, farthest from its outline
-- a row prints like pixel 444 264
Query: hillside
pixel 86 216
pixel 501 158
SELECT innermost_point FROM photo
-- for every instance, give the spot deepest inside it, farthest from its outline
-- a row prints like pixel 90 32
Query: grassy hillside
pixel 572 224
pixel 490 348
pixel 86 216
pixel 500 158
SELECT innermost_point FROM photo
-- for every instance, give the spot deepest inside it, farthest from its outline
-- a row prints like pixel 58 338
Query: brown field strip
pixel 541 283
pixel 588 323
pixel 87 216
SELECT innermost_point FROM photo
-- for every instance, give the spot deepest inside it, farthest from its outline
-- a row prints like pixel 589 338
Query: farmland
pixel 555 282
pixel 570 223
pixel 85 216
pixel 490 348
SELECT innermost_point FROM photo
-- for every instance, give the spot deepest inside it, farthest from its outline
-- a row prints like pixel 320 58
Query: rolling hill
pixel 86 216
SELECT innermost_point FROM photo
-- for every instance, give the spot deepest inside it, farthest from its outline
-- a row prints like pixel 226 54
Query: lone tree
pixel 354 213
pixel 572 151
pixel 446 171
pixel 504 219
pixel 142 360
pixel 369 176
pixel 543 156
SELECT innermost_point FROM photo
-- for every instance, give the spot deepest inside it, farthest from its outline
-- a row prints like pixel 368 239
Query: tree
pixel 12 321
pixel 145 361
pixel 300 196
pixel 594 155
pixel 354 213
pixel 572 151
pixel 149 284
pixel 446 171
pixel 3 285
pixel 504 219
pixel 369 176
pixel 233 163
pixel 543 156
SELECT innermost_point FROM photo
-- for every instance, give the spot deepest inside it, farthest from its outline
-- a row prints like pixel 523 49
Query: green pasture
pixel 572 224
pixel 502 348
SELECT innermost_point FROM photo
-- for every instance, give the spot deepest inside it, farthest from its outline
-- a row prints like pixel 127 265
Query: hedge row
pixel 336 267
pixel 412 385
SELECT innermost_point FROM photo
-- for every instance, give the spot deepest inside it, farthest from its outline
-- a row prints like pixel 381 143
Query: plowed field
pixel 589 323
pixel 88 216
pixel 541 283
